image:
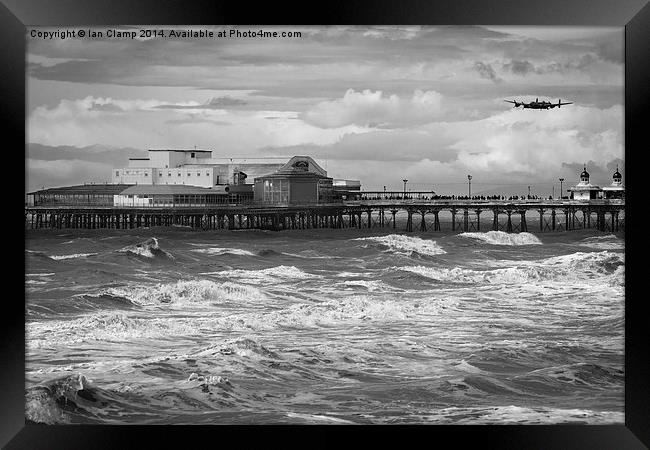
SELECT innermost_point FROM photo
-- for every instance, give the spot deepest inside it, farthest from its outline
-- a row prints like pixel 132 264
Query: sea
pixel 176 326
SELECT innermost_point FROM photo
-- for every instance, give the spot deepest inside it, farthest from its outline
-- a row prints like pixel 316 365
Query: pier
pixel 413 214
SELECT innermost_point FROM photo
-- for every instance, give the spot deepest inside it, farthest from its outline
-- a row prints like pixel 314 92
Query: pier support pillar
pixel 566 220
pixel 553 219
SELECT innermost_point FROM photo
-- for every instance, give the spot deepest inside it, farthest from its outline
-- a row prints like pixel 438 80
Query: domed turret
pixel 584 176
pixel 617 178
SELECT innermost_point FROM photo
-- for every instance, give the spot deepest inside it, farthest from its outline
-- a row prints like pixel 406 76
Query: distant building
pixel 193 167
pixel 346 189
pixel 616 189
pixel 584 190
pixel 300 181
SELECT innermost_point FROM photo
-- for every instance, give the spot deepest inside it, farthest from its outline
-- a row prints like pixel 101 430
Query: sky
pixel 376 104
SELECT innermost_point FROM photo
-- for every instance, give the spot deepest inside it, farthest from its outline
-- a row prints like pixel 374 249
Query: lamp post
pixel 561 181
pixel 469 185
pixel 405 180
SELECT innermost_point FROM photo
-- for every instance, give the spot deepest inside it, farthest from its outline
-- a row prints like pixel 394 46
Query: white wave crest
pixel 272 274
pixel 608 242
pixel 106 327
pixel 223 251
pixel 148 249
pixel 352 309
pixel 605 266
pixel 187 292
pixel 75 255
pixel 498 415
pixel 399 243
pixel 501 238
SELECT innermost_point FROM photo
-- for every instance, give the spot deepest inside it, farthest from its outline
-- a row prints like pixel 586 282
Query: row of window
pixel 169 174
pixel 276 191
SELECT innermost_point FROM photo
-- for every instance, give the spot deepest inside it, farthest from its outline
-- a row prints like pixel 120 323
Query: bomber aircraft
pixel 538 105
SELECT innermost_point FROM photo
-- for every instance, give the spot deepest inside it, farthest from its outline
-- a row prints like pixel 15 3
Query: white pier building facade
pixel 195 168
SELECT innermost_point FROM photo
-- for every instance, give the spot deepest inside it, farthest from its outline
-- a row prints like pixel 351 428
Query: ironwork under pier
pixel 508 216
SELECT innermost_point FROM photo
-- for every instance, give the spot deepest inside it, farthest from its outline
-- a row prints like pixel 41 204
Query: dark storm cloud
pixel 95 153
pixel 486 71
pixel 195 121
pixel 519 67
pixel 105 107
pixel 214 103
pixel 146 62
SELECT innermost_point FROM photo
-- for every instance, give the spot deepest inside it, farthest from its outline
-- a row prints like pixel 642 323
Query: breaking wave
pixel 147 249
pixel 501 238
pixel 76 255
pixel 272 274
pixel 224 251
pixel 187 292
pixel 407 245
pixel 559 268
pixel 608 242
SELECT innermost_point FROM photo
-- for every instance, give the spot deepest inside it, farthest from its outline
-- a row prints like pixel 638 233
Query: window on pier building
pixel 276 191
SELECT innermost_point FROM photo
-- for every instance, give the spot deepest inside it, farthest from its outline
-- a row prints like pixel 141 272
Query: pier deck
pixel 418 215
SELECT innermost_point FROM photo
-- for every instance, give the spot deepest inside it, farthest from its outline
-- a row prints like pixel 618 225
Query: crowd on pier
pixel 449 197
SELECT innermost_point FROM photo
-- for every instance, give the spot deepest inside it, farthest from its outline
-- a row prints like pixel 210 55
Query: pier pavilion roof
pixel 182 189
pixel 84 189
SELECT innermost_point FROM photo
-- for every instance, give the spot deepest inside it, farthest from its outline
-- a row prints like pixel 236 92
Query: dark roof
pixel 177 150
pixel 185 189
pixel 293 174
pixel 83 189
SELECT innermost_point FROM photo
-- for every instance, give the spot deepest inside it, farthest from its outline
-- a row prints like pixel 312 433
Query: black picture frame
pixel 634 15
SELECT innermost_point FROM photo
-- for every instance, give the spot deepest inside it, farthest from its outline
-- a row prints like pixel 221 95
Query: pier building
pixel 171 195
pixel 346 189
pixel 192 167
pixel 91 194
pixel 584 190
pixel 300 181
pixel 616 189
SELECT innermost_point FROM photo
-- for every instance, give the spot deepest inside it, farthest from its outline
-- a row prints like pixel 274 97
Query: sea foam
pixel 187 292
pixel 272 274
pixel 606 266
pixel 501 238
pixel 73 256
pixel 224 251
pixel 407 245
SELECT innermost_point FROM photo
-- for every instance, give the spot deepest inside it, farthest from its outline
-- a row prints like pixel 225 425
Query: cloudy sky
pixel 377 104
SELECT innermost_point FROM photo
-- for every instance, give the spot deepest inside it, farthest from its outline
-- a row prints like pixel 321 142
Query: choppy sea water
pixel 167 326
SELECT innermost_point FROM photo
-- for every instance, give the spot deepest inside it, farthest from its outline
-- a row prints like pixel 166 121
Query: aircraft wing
pixel 567 103
pixel 510 101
